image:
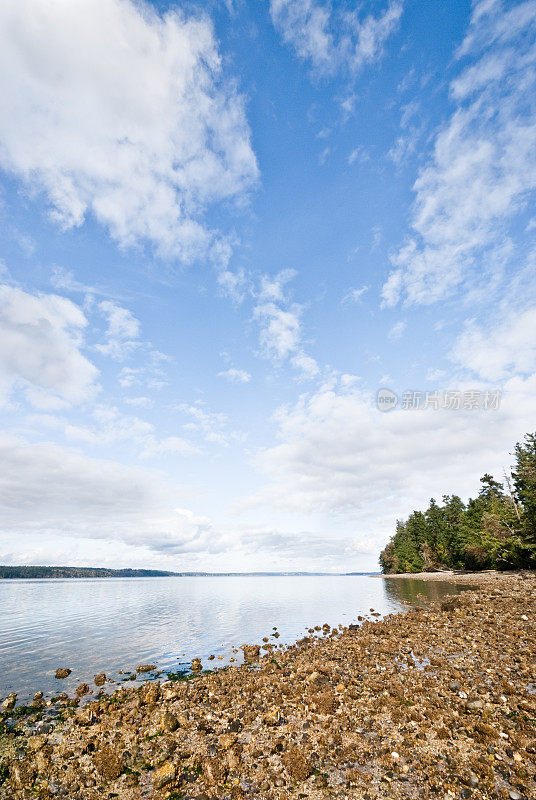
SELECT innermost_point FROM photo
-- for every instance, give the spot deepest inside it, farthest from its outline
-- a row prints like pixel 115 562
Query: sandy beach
pixel 438 702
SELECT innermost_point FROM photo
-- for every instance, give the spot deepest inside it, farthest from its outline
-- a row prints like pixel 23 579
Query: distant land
pixel 103 572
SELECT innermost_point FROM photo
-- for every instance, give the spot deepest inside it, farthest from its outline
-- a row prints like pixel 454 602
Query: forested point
pixel 79 572
pixel 496 530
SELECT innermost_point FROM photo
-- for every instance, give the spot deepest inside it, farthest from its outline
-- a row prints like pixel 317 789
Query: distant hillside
pixel 101 572
pixel 79 572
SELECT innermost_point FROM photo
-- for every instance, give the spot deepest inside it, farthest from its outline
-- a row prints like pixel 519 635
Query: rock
pixel 170 722
pixel 164 775
pixel 226 740
pixel 455 686
pixel 22 773
pixel 108 763
pixel 82 690
pixel 251 652
pixel 472 780
pixel 297 764
pixel 145 667
pixel 62 672
pixel 513 795
pixel 9 702
pixel 196 665
pixel 271 717
pixel 85 716
pixel 474 705
pixel 150 693
pixel 214 771
pixel 100 679
pixel 326 702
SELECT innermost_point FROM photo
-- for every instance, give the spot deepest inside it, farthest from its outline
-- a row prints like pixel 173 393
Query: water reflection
pixel 417 592
pixel 95 625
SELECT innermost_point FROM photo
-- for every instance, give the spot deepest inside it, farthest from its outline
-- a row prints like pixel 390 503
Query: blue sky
pixel 224 226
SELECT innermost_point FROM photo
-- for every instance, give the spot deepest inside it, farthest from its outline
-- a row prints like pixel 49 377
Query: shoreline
pixel 433 700
pixel 459 576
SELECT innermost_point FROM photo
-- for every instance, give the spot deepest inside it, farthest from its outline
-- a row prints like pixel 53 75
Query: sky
pixel 225 226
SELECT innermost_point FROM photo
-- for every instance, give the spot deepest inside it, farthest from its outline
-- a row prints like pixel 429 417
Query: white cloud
pixel 280 330
pixel 65 281
pixel 234 284
pixel 112 110
pixel 54 501
pixel 123 331
pixel 273 287
pixel 40 348
pixel 46 489
pixel 140 402
pixel 306 365
pixel 358 154
pixel 483 169
pixel 210 424
pixel 333 41
pixel 280 336
pixel 435 374
pixel 508 348
pixel 107 426
pixel 397 331
pixel 354 295
pixel 234 375
pixel 339 455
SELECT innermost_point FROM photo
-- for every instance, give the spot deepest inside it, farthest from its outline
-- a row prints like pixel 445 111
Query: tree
pixel 524 476
pixel 496 529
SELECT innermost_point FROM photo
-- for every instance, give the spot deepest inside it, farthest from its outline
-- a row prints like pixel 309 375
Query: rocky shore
pixel 436 703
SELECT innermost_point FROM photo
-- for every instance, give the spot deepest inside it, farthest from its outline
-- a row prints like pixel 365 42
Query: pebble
pixel 164 775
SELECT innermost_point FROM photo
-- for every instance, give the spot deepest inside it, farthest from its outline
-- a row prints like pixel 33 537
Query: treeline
pixel 79 572
pixel 496 530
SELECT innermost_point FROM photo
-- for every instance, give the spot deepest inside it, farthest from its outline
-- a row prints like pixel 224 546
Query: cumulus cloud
pixel 107 426
pixel 339 455
pixel 40 348
pixel 123 331
pixel 280 329
pixel 333 40
pixel 482 171
pixel 53 497
pixel 508 348
pixel 48 489
pixel 112 110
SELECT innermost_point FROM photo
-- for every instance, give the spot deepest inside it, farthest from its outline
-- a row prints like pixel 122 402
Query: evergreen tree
pixel 495 530
pixel 525 485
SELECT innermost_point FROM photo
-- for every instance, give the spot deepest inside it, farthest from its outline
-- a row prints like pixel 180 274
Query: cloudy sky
pixel 224 226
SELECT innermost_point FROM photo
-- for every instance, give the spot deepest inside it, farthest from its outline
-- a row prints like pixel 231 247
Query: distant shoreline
pixel 32 572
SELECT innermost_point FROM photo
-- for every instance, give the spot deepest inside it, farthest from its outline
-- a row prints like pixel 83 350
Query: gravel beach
pixel 438 702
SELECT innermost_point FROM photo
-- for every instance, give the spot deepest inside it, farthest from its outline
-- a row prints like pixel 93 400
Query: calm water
pixel 110 624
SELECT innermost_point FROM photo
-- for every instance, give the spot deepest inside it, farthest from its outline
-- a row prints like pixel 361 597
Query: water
pixel 108 624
